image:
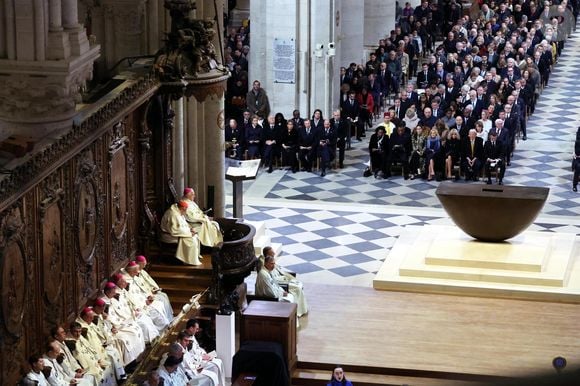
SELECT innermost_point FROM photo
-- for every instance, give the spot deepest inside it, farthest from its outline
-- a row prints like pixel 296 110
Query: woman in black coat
pixel 576 162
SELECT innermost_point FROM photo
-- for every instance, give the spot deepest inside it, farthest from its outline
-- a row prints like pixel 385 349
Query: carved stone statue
pixel 189 51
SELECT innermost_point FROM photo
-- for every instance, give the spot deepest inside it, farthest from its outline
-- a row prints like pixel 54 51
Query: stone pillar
pixel 178 146
pixel 55 15
pixel 70 14
pixel 58 43
pixel 192 154
pixel 214 151
pixel 379 21
pixel 10 30
pixel 153 14
pixel 351 34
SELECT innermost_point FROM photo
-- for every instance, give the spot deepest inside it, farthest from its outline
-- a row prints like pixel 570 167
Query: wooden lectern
pixel 272 322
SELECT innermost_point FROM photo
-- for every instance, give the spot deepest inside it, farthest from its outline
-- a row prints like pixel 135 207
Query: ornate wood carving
pixel 70 216
pixel 52 243
pixel 88 217
pixel 14 274
pixel 118 185
pixel 90 129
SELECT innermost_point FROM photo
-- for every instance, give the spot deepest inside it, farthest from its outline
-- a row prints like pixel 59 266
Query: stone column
pixel 178 146
pixel 379 21
pixel 58 45
pixel 10 30
pixel 192 155
pixel 70 14
pixel 214 153
pixel 55 15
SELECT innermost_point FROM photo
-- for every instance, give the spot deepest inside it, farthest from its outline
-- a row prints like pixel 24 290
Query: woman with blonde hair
pixel 452 152
pixel 432 147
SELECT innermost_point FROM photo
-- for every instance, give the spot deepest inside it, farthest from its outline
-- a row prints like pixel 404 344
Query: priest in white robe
pixel 111 358
pixel 282 277
pixel 69 362
pixel 126 339
pixel 195 378
pixel 143 315
pixel 146 281
pixel 58 375
pixel 266 285
pixel 100 369
pixel 35 377
pixel 193 363
pixel 138 288
pixel 122 313
pixel 170 374
pixel 176 230
pixel 208 361
pixel 208 231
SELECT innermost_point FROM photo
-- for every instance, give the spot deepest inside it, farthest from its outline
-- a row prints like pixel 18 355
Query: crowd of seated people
pixel 472 96
pixel 298 143
pixel 106 337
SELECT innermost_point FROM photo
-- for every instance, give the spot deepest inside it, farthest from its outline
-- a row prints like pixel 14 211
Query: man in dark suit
pixel 494 154
pixel 412 94
pixel 511 123
pixel 235 142
pixel 307 145
pixel 270 142
pixel 298 122
pixel 351 112
pixel 341 128
pixel 326 146
pixel 472 156
pixel 384 81
pixel 425 77
pixel 399 109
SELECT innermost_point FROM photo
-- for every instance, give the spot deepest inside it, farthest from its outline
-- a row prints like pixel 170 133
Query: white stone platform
pixel 540 266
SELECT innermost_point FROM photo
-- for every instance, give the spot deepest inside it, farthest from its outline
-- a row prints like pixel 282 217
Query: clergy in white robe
pixel 121 308
pixel 146 281
pixel 176 230
pixel 138 289
pixel 99 368
pixel 281 276
pixel 194 364
pixel 208 231
pixel 170 374
pixel 266 285
pixel 127 340
pixel 110 357
pixel 35 377
pixel 195 378
pixel 208 361
pixel 69 362
pixel 58 375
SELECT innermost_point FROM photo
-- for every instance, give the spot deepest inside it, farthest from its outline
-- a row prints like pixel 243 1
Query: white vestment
pixel 59 377
pixel 176 378
pixel 295 287
pixel 160 303
pixel 155 310
pixel 37 379
pixel 146 282
pixel 128 341
pixel 70 363
pixel 89 359
pixel 121 313
pixel 214 367
pixel 112 357
pixel 266 285
pixel 208 231
pixel 194 378
pixel 175 230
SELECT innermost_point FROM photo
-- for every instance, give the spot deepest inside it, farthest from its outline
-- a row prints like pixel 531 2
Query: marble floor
pixel 338 229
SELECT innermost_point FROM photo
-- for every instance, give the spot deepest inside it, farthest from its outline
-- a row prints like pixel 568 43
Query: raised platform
pixel 442 259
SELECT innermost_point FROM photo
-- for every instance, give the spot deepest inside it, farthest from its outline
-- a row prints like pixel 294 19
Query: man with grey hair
pixel 472 156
